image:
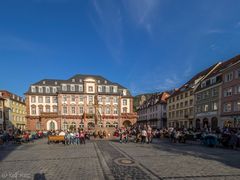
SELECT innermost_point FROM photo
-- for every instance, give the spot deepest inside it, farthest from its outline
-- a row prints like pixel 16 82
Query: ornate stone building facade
pixel 83 101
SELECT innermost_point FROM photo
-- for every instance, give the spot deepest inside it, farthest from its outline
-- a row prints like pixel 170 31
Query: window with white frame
pixel 90 99
pixel 40 89
pixel 205 107
pixel 33 99
pixel 124 110
pixel 213 80
pixel 107 99
pixel 115 89
pixel 90 110
pixel 237 106
pixel 80 88
pixel 54 99
pixel 227 92
pixel 99 88
pixel 81 110
pixel 64 110
pixel 72 87
pixel 90 89
pixel 108 110
pixel 33 89
pixel 64 98
pixel 99 98
pixel 237 73
pixel 54 108
pixel 228 77
pixel 107 89
pixel 47 99
pixel 54 89
pixel 124 102
pixel 115 99
pixel 227 107
pixel 47 108
pixel 33 110
pixel 64 87
pixel 215 106
pixel 115 110
pixel 73 110
pixel 73 98
pixel 40 99
pixel 47 90
pixel 80 98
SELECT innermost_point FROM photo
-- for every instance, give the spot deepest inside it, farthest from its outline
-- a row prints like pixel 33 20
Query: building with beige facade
pixel 82 101
pixel 14 112
pixel 180 105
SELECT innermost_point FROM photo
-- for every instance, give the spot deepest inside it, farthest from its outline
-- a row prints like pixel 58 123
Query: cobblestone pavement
pixel 112 160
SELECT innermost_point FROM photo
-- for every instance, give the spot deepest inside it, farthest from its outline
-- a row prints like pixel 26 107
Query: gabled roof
pixel 198 77
pixel 219 70
pixel 156 98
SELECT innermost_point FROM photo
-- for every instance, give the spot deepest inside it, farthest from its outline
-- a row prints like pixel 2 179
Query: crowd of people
pixel 16 135
pixel 227 137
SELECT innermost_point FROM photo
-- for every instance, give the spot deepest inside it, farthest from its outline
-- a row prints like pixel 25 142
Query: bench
pixel 55 139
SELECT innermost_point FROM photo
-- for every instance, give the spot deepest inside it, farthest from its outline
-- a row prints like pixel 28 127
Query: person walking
pixel 82 137
pixel 149 134
pixel 143 135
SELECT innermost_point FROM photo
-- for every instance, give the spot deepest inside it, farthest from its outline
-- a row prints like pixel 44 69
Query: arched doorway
pixel 205 123
pixel 91 125
pixel 52 125
pixel 198 124
pixel 214 123
pixel 127 123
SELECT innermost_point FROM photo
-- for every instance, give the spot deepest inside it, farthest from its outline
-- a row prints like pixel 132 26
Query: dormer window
pixel 33 89
pixel 114 89
pixel 47 90
pixel 73 80
pixel 203 84
pixel 124 92
pixel 98 81
pixel 40 89
pixel 54 89
pixel 107 89
pixel 72 88
pixel 80 80
pixel 213 80
pixel 105 82
pixel 80 88
pixel 44 82
pixel 99 88
pixel 64 87
pixel 55 83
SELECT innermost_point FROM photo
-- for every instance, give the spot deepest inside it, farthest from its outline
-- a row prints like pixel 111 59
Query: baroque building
pixel 82 101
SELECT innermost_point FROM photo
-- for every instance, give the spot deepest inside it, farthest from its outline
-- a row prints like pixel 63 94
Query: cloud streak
pixel 107 21
pixel 143 12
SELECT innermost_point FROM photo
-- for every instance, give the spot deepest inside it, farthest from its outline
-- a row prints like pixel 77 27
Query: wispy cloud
pixel 13 43
pixel 143 12
pixel 215 31
pixel 107 21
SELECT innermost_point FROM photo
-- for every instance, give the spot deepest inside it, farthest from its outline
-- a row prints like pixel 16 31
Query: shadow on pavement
pixel 226 156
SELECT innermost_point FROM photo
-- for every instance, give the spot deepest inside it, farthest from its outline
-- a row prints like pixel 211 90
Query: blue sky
pixel 145 45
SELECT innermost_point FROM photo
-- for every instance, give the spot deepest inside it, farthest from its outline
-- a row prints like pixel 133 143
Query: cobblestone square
pixel 112 160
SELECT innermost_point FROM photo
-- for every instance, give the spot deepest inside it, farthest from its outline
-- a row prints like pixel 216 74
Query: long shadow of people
pixel 39 176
